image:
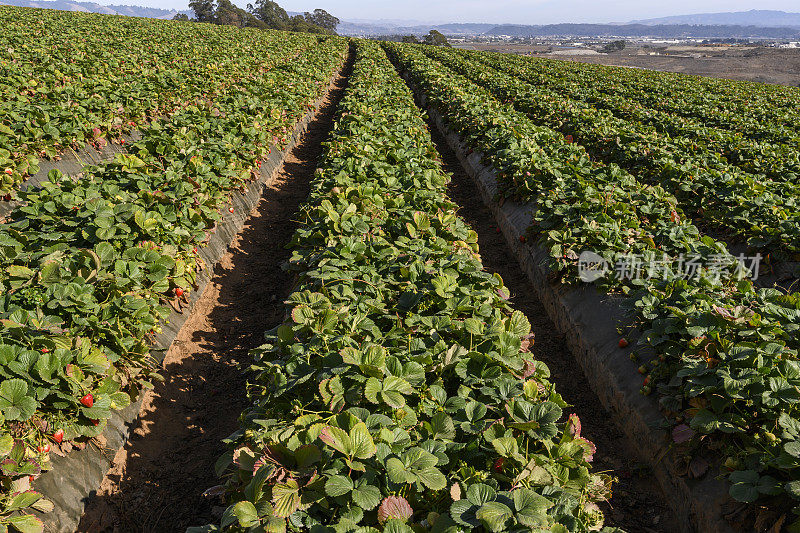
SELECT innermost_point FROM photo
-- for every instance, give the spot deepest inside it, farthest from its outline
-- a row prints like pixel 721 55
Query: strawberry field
pixel 90 262
pixel 399 383
pixel 747 188
pixel 401 390
pixel 722 352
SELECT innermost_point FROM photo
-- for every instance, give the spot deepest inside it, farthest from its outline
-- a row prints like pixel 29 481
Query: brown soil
pixel 763 65
pixel 157 480
pixel 747 63
pixel 637 504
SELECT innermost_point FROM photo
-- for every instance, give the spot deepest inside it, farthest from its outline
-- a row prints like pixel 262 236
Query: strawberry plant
pixel 399 381
pixel 756 111
pixel 84 79
pixel 726 352
pixel 752 206
pixel 88 263
pixel 774 155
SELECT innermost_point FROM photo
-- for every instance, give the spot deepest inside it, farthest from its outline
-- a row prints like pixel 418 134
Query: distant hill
pixel 663 31
pixel 756 17
pixel 659 31
pixel 367 28
pixel 467 28
pixel 91 7
pixel 363 29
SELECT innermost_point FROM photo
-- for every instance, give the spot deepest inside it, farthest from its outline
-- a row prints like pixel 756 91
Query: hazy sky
pixel 529 11
pixel 511 11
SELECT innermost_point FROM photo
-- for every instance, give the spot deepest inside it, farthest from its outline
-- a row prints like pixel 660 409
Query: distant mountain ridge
pixel 378 28
pixel 755 24
pixel 657 31
pixel 91 7
pixel 763 18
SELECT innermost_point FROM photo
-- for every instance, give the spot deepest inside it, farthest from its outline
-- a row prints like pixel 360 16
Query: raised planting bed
pixel 711 344
pixel 399 393
pixel 589 319
pixel 75 79
pixel 70 163
pixel 74 477
pixel 94 263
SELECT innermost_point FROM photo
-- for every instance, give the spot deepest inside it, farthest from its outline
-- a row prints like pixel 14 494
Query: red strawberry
pixel 43 449
pixel 497 230
pixel 31 479
pixel 94 422
pixel 498 464
pixel 647 380
pixel 623 343
pixel 522 238
pixel 58 436
pixel 88 400
pixel 178 292
pixel 9 171
pixel 7 197
pixel 231 209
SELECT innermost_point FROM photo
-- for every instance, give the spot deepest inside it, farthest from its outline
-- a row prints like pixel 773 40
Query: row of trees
pixel 265 14
pixel 433 38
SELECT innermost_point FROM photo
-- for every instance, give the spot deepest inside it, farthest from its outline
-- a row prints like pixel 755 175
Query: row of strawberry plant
pixel 76 79
pixel 777 160
pixel 87 263
pixel 648 220
pixel 726 360
pixel 755 110
pixel 763 211
pixel 399 395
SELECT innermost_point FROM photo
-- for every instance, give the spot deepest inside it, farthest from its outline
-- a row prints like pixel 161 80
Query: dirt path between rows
pixel 157 480
pixel 637 504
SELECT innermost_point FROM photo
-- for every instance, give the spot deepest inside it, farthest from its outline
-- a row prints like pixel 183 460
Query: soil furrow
pixel 637 504
pixel 157 480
